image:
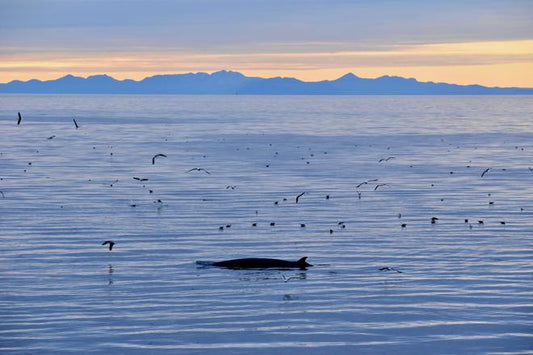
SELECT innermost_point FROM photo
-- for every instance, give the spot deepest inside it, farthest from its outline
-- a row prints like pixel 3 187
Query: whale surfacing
pixel 262 263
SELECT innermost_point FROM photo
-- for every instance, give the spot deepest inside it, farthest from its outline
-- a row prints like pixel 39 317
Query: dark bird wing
pixel 298 197
pixel 156 156
pixel 484 172
pixel 19 119
pixel 110 242
pixel 75 123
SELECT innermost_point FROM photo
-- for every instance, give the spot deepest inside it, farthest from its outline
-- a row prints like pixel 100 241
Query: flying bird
pixel 139 179
pixel 51 137
pixel 385 159
pixel 156 156
pixel 298 197
pixel 485 171
pixel 75 123
pixel 111 243
pixel 366 182
pixel 20 119
pixel 198 169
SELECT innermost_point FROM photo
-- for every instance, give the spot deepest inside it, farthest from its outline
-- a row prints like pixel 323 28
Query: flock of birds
pixel 374 184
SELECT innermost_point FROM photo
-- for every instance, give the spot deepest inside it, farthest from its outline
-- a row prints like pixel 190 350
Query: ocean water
pixel 450 287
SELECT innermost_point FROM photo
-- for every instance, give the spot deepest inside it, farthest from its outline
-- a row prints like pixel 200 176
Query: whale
pixel 259 263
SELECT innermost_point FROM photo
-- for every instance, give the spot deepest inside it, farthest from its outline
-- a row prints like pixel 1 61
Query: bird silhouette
pixel 110 243
pixel 198 169
pixel 390 269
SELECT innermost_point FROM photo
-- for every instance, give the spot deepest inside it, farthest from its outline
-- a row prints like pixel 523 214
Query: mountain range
pixel 234 83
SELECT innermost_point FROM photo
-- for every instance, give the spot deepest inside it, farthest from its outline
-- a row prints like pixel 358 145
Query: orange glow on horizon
pixel 498 63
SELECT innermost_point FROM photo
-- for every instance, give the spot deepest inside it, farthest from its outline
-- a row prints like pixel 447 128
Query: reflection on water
pixel 385 279
pixel 110 271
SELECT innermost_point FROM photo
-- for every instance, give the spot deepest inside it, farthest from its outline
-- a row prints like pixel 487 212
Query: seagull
pixel 198 169
pixel 110 242
pixel 157 155
pixel 20 119
pixel 386 159
pixel 300 195
pixel 366 182
pixel 139 179
pixel 484 172
pixel 75 123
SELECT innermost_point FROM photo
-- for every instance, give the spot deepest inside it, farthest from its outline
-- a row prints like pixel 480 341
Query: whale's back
pixel 261 263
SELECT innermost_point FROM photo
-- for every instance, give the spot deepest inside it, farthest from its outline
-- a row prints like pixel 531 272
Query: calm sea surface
pixel 463 285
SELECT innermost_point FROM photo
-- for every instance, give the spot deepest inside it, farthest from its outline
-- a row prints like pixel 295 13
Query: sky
pixel 488 42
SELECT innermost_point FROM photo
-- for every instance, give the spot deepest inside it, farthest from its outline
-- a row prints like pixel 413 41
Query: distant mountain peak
pixel 348 76
pixel 101 77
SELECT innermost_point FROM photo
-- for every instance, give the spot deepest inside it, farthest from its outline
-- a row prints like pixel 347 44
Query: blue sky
pixel 307 39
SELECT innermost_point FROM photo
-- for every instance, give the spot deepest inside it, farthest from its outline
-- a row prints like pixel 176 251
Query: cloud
pixel 199 24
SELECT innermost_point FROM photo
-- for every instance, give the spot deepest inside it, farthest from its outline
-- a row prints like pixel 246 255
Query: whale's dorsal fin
pixel 302 263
